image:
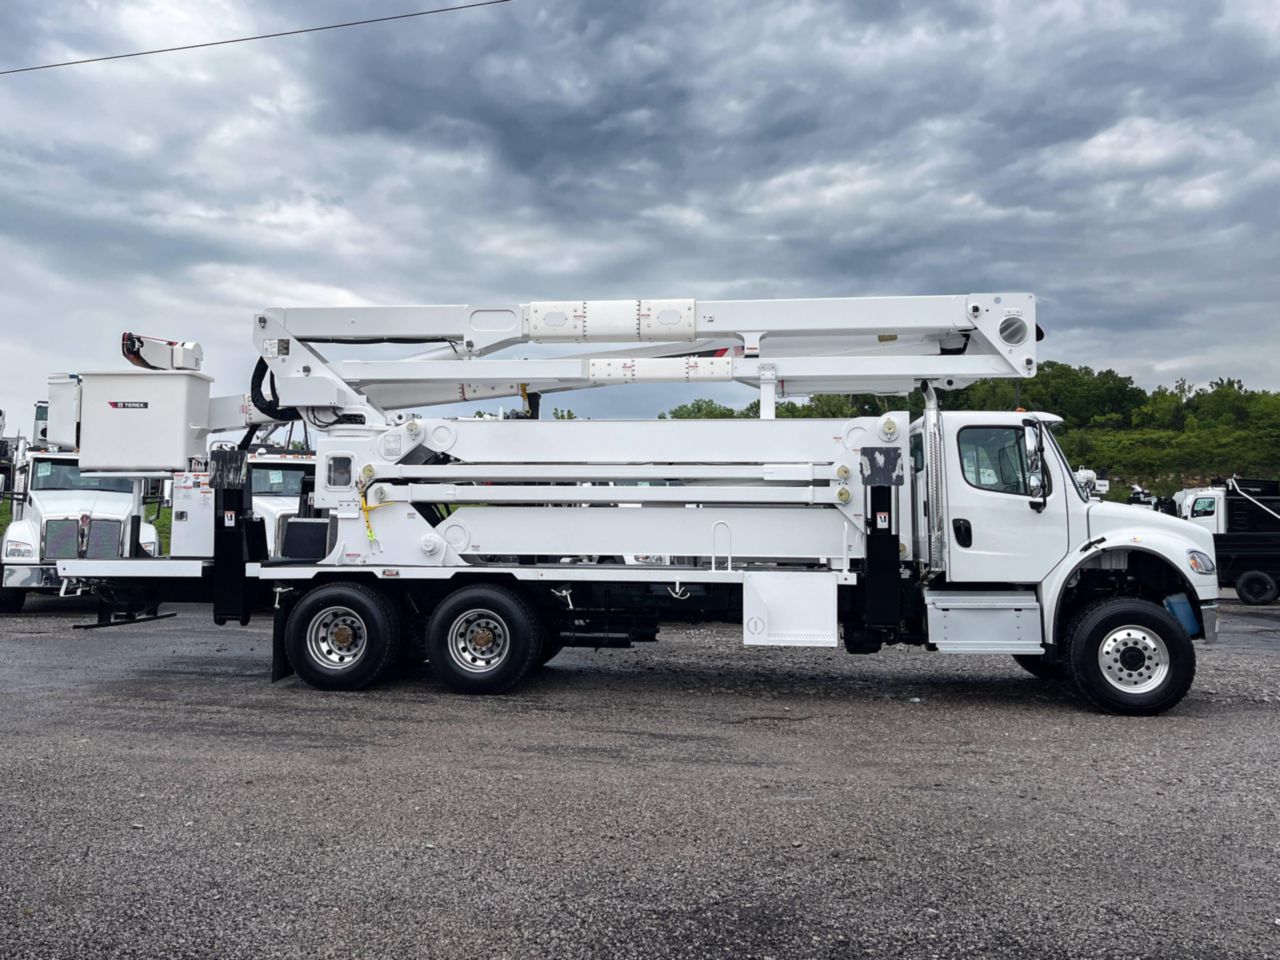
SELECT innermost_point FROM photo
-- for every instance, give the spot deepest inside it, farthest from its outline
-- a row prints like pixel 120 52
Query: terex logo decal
pixel 128 404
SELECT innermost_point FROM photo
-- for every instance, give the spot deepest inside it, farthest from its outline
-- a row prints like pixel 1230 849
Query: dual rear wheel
pixel 479 639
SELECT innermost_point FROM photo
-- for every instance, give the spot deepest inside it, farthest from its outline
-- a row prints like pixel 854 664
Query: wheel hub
pixel 479 641
pixel 336 638
pixel 1133 659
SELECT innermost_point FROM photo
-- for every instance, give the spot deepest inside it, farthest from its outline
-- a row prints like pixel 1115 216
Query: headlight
pixel 149 548
pixel 17 550
pixel 1201 562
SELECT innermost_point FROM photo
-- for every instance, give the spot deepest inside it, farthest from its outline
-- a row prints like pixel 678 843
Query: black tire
pixel 550 650
pixel 475 620
pixel 12 599
pixel 1150 679
pixel 1046 666
pixel 1255 588
pixel 342 636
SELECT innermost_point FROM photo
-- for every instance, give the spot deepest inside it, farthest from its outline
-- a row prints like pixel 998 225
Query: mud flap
pixel 280 665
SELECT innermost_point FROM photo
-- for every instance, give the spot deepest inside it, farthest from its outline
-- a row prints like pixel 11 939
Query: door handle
pixel 964 532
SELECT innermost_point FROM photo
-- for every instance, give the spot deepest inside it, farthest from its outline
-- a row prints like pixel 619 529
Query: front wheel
pixel 1255 588
pixel 1130 656
pixel 483 639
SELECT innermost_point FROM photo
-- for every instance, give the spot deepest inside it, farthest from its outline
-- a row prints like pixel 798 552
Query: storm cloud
pixel 1119 160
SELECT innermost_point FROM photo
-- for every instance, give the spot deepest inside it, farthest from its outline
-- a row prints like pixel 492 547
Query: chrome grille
pixel 61 540
pixel 104 540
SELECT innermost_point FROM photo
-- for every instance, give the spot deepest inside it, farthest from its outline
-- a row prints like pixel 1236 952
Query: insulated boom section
pixel 700 493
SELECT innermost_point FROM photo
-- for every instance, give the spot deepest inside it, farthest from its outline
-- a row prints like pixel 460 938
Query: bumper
pixel 30 576
pixel 1209 620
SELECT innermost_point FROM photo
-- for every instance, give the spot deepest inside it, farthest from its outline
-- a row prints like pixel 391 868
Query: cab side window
pixel 1203 507
pixel 917 452
pixel 995 458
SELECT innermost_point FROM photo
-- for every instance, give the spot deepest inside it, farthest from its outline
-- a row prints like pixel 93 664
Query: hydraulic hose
pixel 270 407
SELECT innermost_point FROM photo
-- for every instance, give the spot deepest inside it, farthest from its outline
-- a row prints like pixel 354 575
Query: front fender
pixel 23 531
pixel 1112 553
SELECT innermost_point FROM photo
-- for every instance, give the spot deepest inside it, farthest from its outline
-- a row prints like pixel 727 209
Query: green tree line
pixel 1164 439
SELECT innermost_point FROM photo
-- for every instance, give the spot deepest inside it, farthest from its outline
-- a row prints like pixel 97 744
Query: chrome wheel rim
pixel 337 638
pixel 479 641
pixel 1133 659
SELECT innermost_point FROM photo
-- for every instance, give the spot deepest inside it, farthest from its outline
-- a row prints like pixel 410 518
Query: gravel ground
pixel 159 798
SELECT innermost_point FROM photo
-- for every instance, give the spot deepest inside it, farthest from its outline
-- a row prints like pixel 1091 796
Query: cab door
pixel 1006 510
pixel 1204 511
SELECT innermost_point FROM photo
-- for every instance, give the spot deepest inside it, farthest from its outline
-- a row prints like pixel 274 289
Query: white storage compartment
pixel 789 610
pixel 193 516
pixel 63 413
pixel 143 420
pixel 984 621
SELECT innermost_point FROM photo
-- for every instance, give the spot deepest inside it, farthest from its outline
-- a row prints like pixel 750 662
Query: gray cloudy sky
pixel 1120 160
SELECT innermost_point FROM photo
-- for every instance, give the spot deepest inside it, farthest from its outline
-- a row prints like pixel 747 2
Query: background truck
pixel 1244 518
pixel 59 513
pixel 963 533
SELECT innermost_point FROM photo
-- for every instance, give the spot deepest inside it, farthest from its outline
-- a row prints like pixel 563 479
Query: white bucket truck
pixel 59 513
pixel 964 533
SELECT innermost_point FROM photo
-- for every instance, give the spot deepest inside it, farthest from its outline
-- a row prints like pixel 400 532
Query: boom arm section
pixel 886 345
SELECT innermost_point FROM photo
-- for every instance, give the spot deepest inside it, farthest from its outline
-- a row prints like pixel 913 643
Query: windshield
pixel 65 475
pixel 277 481
pixel 1066 468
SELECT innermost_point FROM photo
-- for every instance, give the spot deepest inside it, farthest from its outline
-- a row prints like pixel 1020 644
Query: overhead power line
pixel 263 36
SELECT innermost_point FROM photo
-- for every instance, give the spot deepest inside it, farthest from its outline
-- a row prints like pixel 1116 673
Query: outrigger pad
pixel 882 467
pixel 228 469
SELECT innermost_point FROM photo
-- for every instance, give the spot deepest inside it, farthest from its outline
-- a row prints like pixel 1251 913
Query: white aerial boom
pixel 880 345
pixel 885 345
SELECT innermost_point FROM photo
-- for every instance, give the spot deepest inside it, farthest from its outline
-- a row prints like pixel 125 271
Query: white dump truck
pixel 1243 515
pixel 958 532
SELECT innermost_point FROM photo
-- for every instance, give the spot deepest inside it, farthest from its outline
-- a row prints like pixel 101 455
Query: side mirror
pixel 1037 484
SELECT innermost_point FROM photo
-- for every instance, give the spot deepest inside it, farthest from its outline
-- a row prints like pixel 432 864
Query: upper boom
pixel 785 347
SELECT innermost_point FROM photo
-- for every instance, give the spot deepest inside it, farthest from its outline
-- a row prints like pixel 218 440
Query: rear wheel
pixel 1046 666
pixel 12 599
pixel 1254 587
pixel 483 639
pixel 1130 656
pixel 342 636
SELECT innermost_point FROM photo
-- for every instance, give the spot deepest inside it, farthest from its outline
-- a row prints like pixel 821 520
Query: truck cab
pixel 1017 527
pixel 1204 506
pixel 279 485
pixel 60 513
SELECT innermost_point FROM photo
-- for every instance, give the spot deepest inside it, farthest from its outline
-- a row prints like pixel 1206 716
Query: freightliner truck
pixel 958 532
